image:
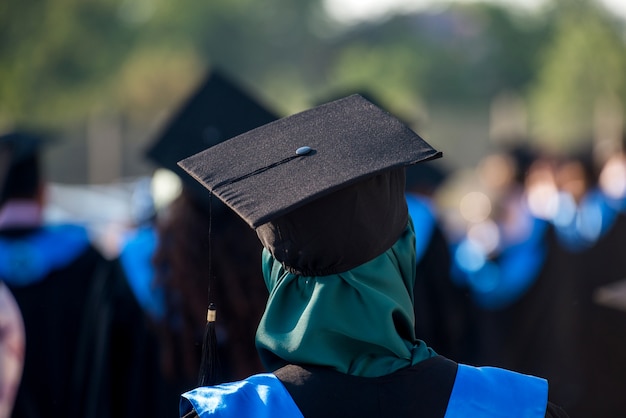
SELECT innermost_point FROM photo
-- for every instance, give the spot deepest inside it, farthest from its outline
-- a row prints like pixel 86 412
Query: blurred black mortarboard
pixel 425 178
pixel 323 188
pixel 219 109
pixel 20 144
pixel 216 111
pixel 19 163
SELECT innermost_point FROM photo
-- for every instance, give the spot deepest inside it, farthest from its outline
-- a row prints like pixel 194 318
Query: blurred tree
pixel 441 69
pixel 64 62
pixel 465 52
pixel 255 42
pixel 58 58
pixel 584 64
pixel 62 58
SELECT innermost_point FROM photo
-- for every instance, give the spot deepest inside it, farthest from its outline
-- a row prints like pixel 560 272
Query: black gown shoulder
pixel 422 390
pixel 86 343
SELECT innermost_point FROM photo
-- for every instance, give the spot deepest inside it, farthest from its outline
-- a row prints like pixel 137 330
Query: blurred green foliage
pixel 583 64
pixel 62 61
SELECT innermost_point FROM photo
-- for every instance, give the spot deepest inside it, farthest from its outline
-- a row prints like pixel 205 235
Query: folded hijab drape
pixel 359 322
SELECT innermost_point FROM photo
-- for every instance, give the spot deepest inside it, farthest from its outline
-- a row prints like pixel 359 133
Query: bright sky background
pixel 358 10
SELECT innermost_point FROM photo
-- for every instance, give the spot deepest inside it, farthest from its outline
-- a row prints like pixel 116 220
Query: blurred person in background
pixel 585 251
pixel 551 303
pixel 519 275
pixel 84 331
pixel 183 268
pixel 137 248
pixel 199 243
pixel 12 336
pixel 443 310
pixel 11 350
pixel 500 229
pixel 600 263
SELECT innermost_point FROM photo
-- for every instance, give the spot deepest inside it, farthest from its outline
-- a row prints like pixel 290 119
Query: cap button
pixel 303 150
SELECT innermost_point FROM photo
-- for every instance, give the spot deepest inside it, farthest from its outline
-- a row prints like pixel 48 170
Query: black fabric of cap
pixel 425 178
pixel 268 173
pixel 19 163
pixel 350 139
pixel 342 230
pixel 21 144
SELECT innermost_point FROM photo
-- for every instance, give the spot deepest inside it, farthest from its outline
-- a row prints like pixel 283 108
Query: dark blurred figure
pixel 182 266
pixel 84 330
pixel 204 250
pixel 11 350
pixel 137 249
pixel 12 338
pixel 519 275
pixel 552 303
pixel 443 310
pixel 599 257
pixel 585 261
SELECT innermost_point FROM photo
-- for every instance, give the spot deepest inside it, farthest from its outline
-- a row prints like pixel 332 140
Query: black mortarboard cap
pixel 219 109
pixel 20 144
pixel 19 167
pixel 425 178
pixel 323 188
pixel 418 176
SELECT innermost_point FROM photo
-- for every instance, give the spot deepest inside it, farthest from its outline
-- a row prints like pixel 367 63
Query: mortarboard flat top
pixel 216 111
pixel 259 175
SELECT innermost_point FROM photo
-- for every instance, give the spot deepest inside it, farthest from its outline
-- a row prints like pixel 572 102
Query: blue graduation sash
pixel 478 392
pixel 500 283
pixel 136 260
pixel 259 396
pixel 30 258
pixel 423 215
pixel 490 392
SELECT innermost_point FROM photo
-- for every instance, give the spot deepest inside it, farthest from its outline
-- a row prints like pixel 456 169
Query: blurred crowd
pixel 537 239
pixel 521 264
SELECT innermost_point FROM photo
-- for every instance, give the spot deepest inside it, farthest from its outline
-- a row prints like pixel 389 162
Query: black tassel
pixel 209 366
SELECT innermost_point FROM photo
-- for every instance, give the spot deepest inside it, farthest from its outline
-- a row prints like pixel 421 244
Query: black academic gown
pixel 569 326
pixel 443 311
pixel 442 308
pixel 87 351
pixel 537 333
pixel 602 287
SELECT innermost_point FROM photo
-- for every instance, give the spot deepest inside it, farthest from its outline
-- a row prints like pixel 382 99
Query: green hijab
pixel 360 322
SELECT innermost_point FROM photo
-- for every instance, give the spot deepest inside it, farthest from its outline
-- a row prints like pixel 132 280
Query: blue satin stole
pixel 136 259
pixel 28 259
pixel 424 219
pixel 478 392
pixel 490 392
pixel 259 396
pixel 579 227
pixel 498 283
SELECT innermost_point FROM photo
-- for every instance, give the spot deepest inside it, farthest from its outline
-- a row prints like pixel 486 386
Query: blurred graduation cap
pixel 425 178
pixel 324 188
pixel 219 109
pixel 19 163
